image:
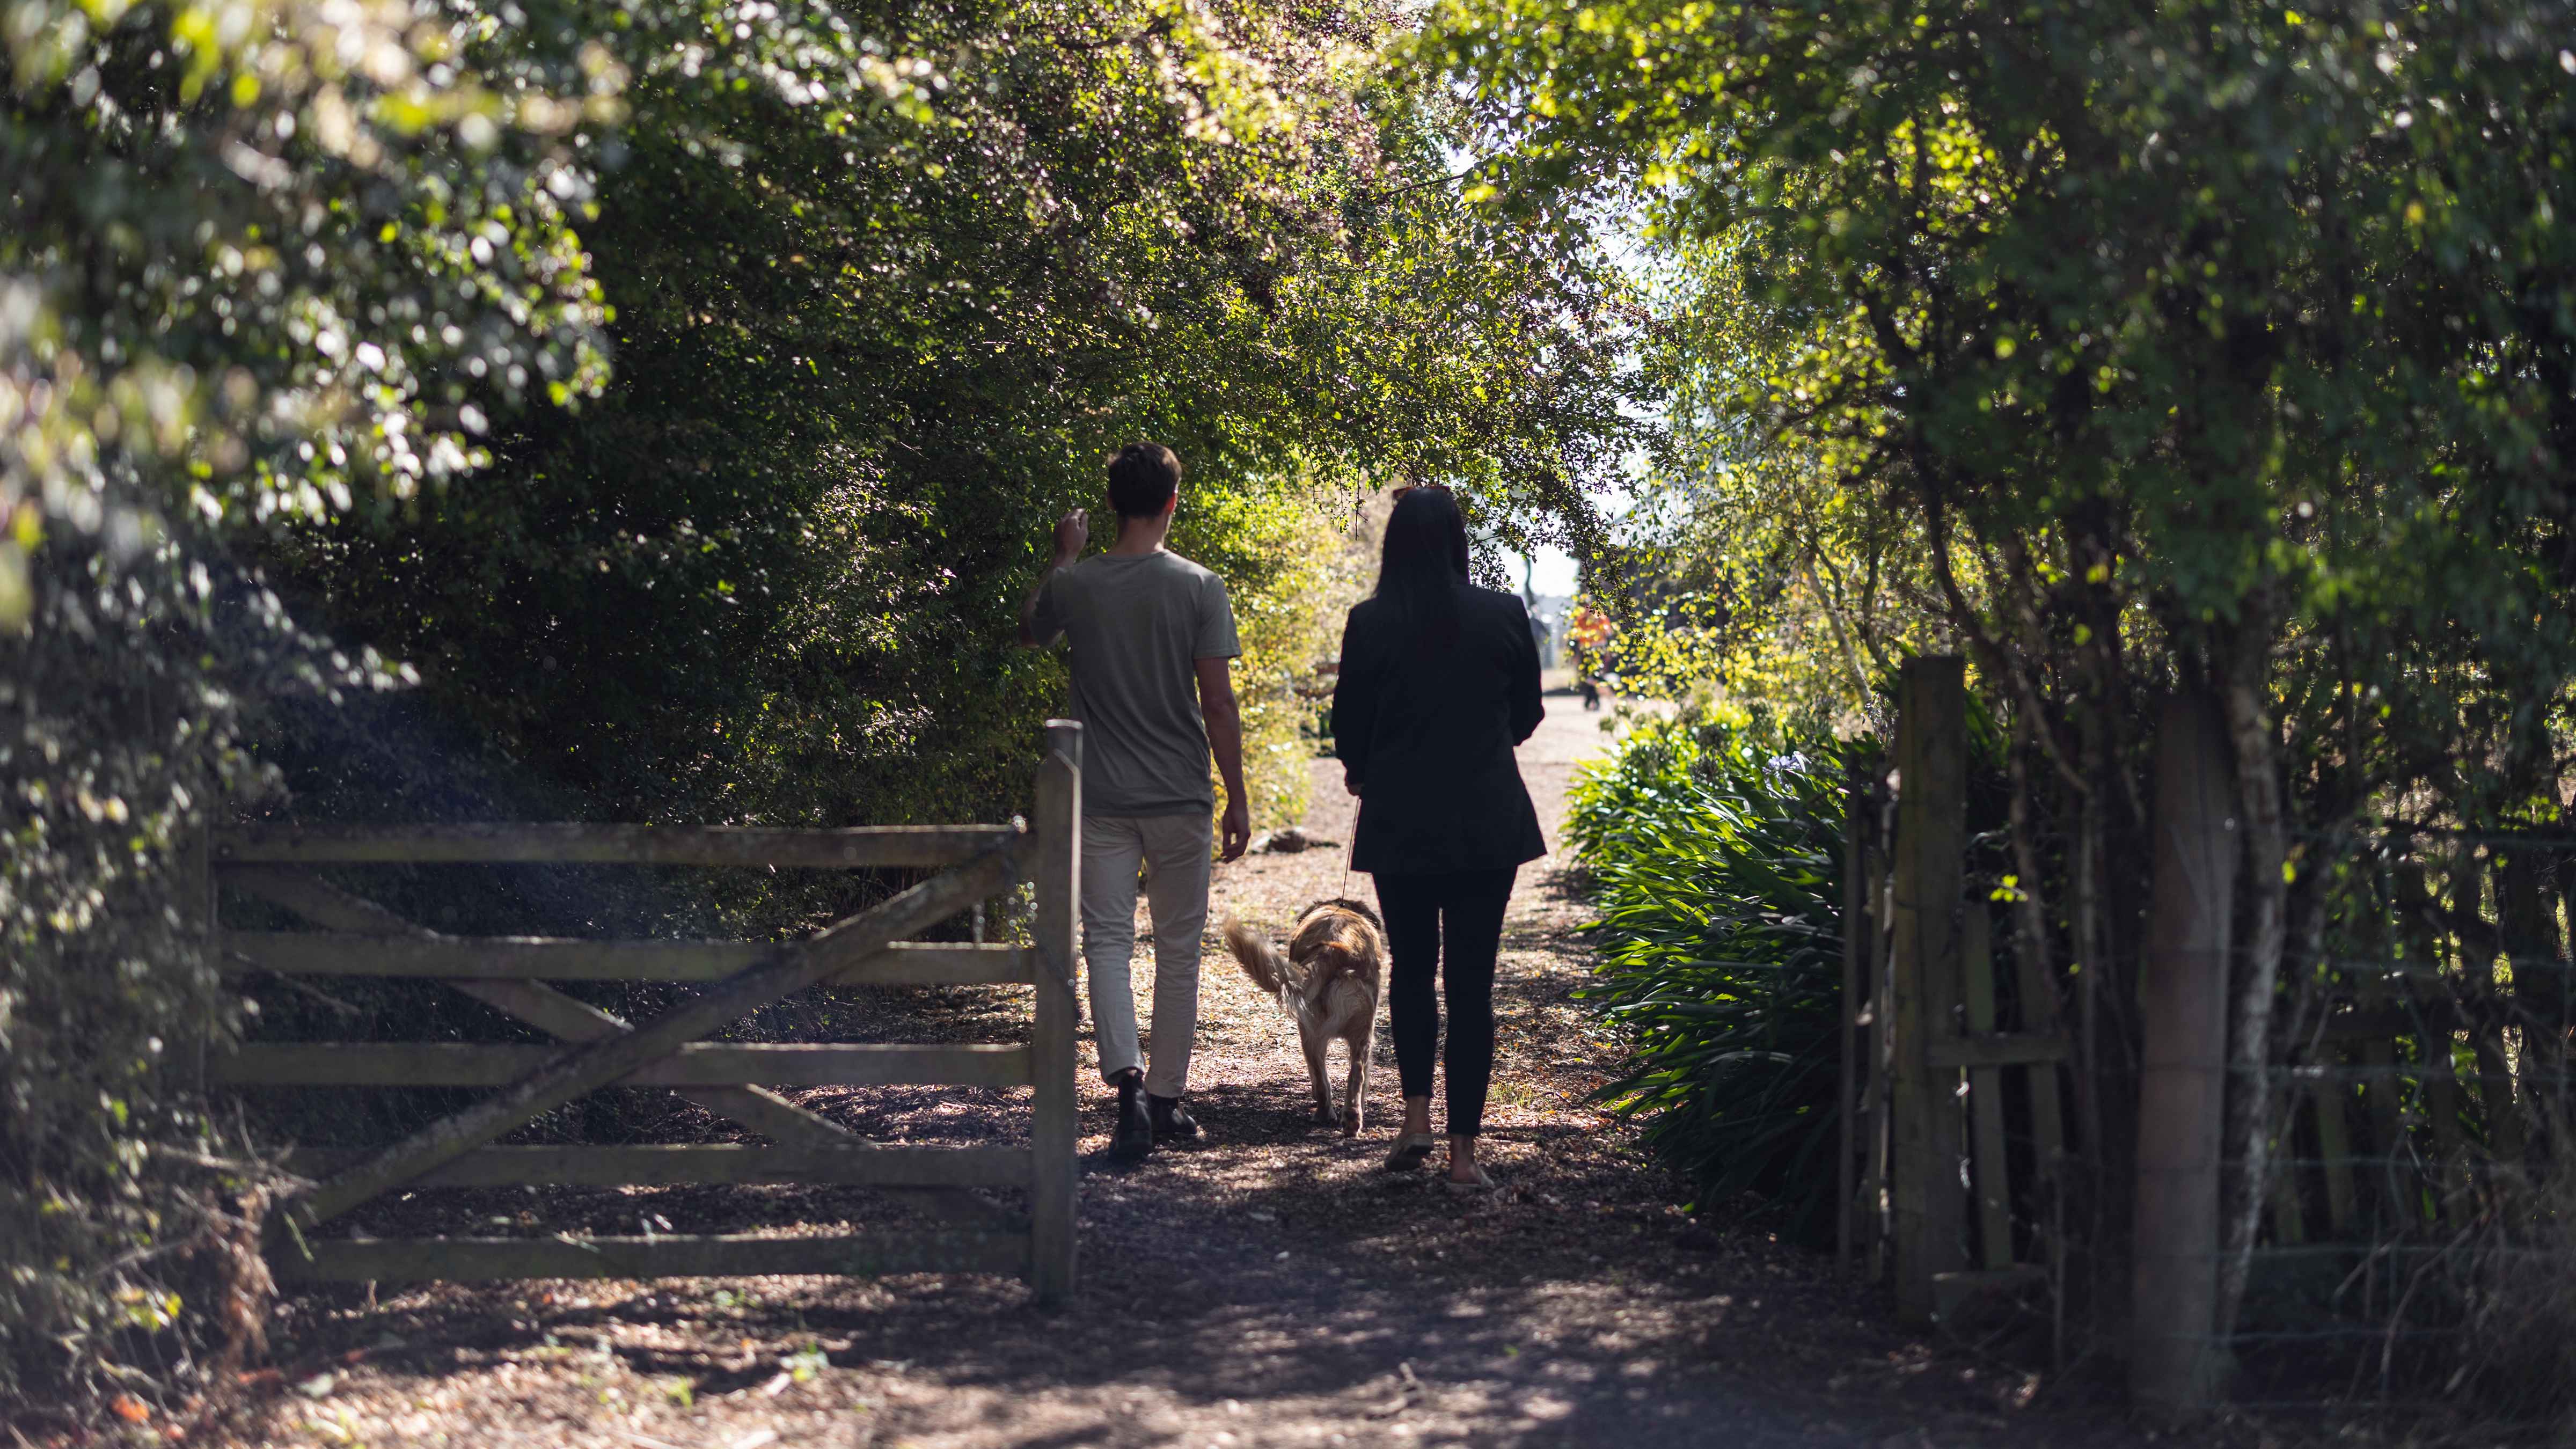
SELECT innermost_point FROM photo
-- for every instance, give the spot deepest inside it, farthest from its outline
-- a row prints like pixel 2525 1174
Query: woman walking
pixel 1439 680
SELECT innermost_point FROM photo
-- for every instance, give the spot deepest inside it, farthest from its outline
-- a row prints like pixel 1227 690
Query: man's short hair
pixel 1142 479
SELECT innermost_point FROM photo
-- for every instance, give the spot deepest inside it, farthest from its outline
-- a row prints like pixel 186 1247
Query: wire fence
pixel 2417 1237
pixel 2031 1114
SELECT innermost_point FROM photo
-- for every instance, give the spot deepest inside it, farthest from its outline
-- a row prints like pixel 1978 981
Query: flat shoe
pixel 1411 1150
pixel 1484 1183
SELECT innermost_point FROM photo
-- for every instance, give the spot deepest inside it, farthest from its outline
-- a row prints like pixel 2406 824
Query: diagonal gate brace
pixel 590 1065
pixel 570 1019
pixel 532 1002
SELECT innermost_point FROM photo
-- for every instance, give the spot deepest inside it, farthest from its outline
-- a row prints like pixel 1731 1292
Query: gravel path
pixel 1272 1287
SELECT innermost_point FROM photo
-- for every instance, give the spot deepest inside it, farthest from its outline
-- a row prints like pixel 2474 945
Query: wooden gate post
pixel 1054 1129
pixel 1930 1204
pixel 1856 960
pixel 2174 1363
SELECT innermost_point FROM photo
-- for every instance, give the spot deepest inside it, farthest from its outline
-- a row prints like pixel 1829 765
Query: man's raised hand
pixel 1071 532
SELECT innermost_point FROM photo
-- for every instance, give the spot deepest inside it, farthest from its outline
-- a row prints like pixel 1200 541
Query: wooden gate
pixel 1927 1189
pixel 356 937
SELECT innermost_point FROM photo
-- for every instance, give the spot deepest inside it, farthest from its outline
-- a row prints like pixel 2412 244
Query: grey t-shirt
pixel 1137 624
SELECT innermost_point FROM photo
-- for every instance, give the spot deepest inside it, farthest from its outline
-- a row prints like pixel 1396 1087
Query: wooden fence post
pixel 2527 919
pixel 1856 957
pixel 2182 1088
pixel 1054 1128
pixel 1930 1205
pixel 1989 1172
pixel 2438 1013
pixel 1876 1038
pixel 2380 1092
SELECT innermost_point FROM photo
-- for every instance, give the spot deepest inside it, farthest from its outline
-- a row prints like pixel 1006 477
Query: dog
pixel 1329 979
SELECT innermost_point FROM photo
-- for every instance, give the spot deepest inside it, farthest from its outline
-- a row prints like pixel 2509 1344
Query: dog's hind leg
pixel 1355 1087
pixel 1313 1040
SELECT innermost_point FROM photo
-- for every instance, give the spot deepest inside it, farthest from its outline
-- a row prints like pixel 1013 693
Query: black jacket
pixel 1428 731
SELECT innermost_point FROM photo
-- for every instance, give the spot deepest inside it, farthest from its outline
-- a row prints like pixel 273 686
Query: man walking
pixel 1153 641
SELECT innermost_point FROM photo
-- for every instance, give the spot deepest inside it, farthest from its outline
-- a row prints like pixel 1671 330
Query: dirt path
pixel 1270 1288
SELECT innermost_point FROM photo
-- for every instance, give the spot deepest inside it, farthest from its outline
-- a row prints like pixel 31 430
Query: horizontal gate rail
pixel 858 1164
pixel 541 958
pixel 698 1064
pixel 536 1004
pixel 857 847
pixel 596 1050
pixel 587 1067
pixel 468 1260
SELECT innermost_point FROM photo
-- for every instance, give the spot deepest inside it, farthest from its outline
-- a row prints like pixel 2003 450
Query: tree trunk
pixel 2252 738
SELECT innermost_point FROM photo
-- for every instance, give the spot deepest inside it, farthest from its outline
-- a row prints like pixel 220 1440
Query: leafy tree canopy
pixel 866 354
pixel 678 392
pixel 2221 345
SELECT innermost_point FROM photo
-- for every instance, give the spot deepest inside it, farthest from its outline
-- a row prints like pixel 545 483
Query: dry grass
pixel 2517 1346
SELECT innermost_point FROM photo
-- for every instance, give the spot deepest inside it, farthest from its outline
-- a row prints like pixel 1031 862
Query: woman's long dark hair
pixel 1425 563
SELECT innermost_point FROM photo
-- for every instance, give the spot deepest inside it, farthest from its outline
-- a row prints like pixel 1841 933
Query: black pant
pixel 1463 910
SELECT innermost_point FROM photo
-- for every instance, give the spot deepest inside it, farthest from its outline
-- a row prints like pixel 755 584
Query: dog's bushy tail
pixel 1262 961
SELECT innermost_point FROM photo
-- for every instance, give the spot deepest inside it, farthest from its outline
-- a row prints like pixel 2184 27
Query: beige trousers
pixel 1172 851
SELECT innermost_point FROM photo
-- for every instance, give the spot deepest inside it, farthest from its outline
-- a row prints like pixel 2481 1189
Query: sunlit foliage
pixel 678 393
pixel 1716 857
pixel 867 356
pixel 258 262
pixel 2222 346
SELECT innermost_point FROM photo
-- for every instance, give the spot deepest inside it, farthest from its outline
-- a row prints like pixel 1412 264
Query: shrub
pixel 121 707
pixel 1716 856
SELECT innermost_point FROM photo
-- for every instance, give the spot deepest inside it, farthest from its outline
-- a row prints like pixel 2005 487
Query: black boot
pixel 1171 1124
pixel 1133 1137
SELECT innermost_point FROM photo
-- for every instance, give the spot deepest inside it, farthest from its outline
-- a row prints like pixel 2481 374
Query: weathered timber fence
pixel 2416 1210
pixel 357 937
pixel 1940 1198
pixel 2182 1085
pixel 2418 1206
